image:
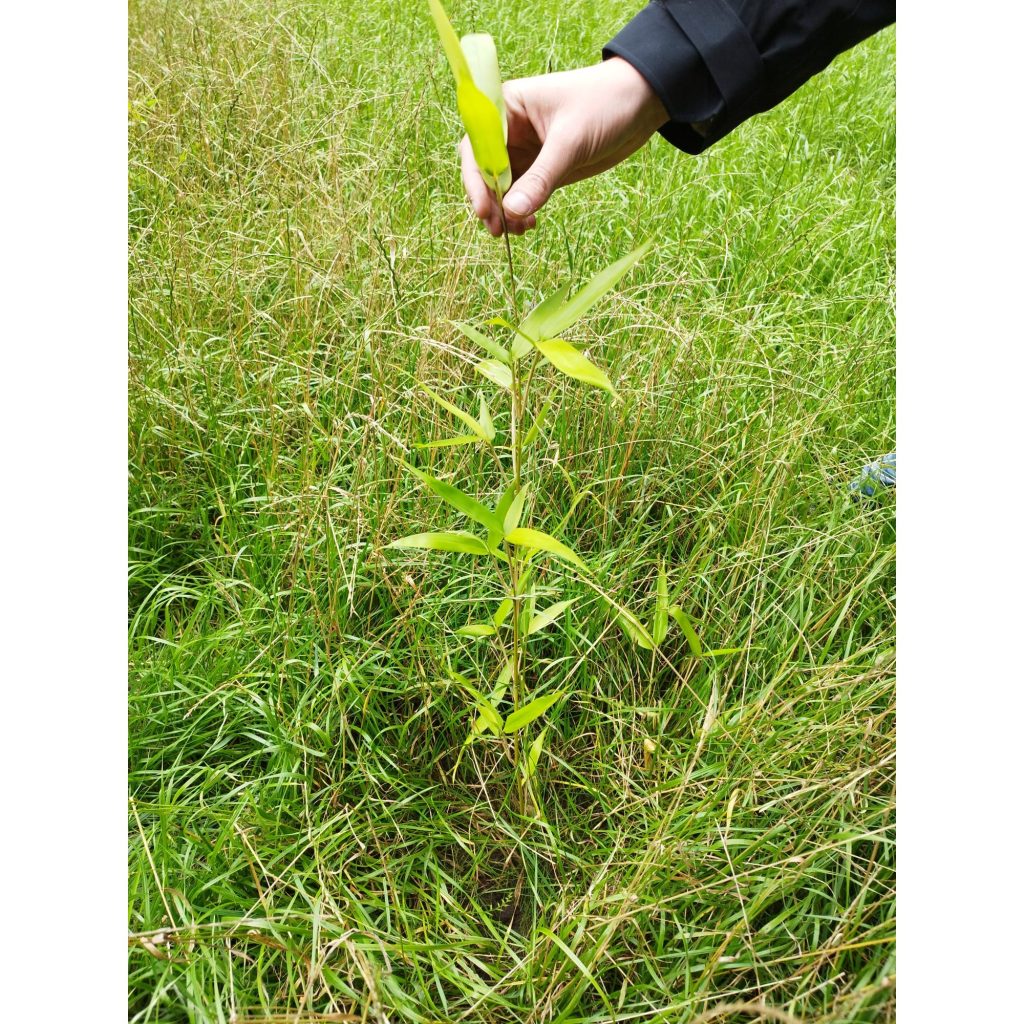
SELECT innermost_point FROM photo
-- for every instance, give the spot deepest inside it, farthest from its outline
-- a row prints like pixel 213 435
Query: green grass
pixel 301 847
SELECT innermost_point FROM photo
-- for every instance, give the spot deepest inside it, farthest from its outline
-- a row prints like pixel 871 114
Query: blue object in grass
pixel 875 475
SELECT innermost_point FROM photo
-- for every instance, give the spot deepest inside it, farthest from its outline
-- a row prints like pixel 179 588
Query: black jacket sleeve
pixel 714 63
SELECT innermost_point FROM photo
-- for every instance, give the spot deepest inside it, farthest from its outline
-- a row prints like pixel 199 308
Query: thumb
pixel 534 187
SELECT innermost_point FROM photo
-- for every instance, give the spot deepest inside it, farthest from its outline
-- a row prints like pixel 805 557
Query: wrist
pixel 648 109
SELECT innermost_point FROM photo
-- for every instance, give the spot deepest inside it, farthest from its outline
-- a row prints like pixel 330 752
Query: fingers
pixel 480 197
pixel 533 188
pixel 482 200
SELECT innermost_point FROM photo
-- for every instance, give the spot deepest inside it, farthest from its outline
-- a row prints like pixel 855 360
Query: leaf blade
pixel 593 291
pixel 569 360
pixel 464 543
pixel 459 500
pixel 525 537
pixel 471 422
pixel 523 716
pixel 548 615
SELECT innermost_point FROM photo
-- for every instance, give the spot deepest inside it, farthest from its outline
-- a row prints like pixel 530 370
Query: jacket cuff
pixel 700 60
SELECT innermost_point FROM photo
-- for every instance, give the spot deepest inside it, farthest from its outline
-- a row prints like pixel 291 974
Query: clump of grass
pixel 717 831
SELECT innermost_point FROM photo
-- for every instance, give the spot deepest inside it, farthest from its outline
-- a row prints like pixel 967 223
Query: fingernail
pixel 517 204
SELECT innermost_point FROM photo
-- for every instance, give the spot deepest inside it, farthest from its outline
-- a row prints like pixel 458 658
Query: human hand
pixel 564 127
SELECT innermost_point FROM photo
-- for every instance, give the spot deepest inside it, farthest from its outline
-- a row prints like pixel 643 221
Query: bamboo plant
pixel 517 363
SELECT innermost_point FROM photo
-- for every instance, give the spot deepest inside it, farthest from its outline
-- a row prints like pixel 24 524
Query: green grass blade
pixel 476 629
pixel 450 42
pixel 533 755
pixel 501 613
pixel 659 627
pixel 692 640
pixel 485 419
pixel 535 428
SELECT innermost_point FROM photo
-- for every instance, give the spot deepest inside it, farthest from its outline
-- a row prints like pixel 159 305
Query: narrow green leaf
pixel 659 627
pixel 482 120
pixel 497 696
pixel 534 432
pixel 482 57
pixel 449 442
pixel 476 629
pixel 488 715
pixel 521 718
pixel 466 504
pixel 692 640
pixel 533 755
pixel 721 652
pixel 501 613
pixel 632 627
pixel 515 511
pixel 450 42
pixel 485 418
pixel 535 324
pixel 464 542
pixel 489 345
pixel 573 363
pixel 524 537
pixel 497 372
pixel 562 318
pixel 546 617
pixel 477 428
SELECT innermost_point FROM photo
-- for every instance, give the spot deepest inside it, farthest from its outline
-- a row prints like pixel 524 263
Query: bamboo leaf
pixel 463 542
pixel 450 42
pixel 482 57
pixel 488 715
pixel 476 629
pixel 659 627
pixel 527 538
pixel 449 442
pixel 564 316
pixel 692 640
pixel 533 755
pixel 482 120
pixel 486 136
pixel 496 372
pixel 535 323
pixel 546 617
pixel 489 345
pixel 497 696
pixel 632 627
pixel 466 504
pixel 477 428
pixel 485 418
pixel 515 511
pixel 521 718
pixel 535 427
pixel 501 613
pixel 573 363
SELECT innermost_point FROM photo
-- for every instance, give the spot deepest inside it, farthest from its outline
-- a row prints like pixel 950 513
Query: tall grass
pixel 719 836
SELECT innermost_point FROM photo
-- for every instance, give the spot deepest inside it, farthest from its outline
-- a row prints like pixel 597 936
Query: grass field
pixel 302 846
